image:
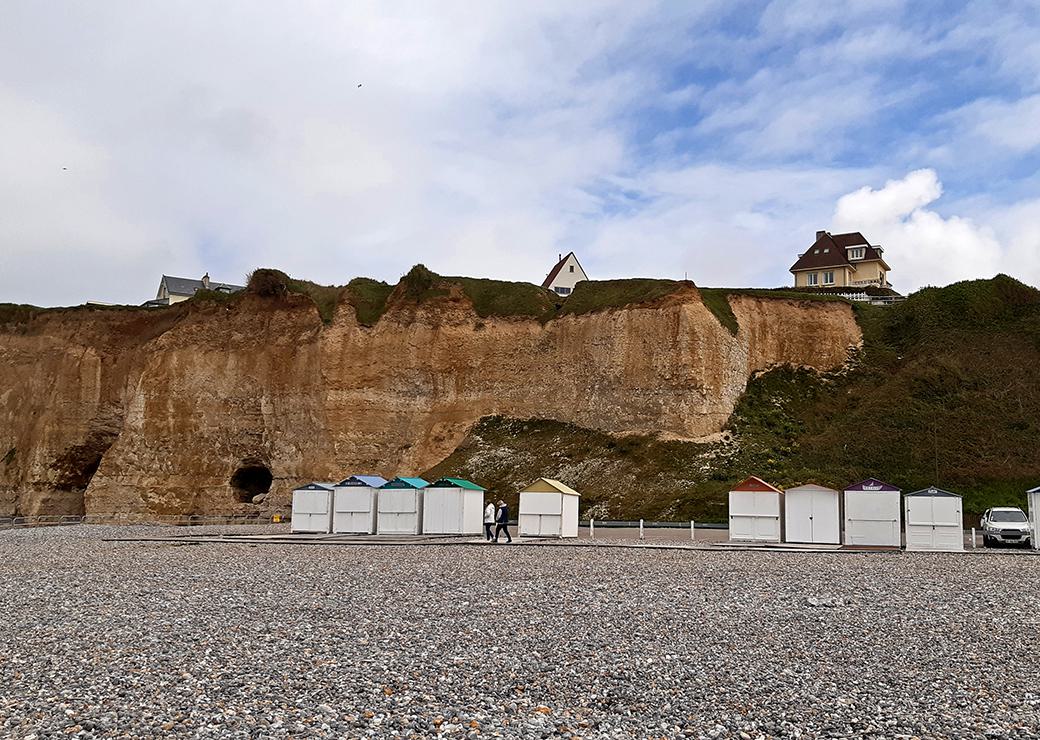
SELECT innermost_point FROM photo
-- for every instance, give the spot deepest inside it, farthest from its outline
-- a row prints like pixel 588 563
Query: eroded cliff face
pixel 104 411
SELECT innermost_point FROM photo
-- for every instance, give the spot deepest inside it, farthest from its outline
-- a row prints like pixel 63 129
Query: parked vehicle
pixel 1004 525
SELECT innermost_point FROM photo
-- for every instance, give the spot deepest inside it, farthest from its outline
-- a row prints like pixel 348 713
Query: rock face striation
pixel 203 407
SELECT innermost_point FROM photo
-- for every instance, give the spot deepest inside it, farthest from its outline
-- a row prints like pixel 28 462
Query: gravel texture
pixel 106 639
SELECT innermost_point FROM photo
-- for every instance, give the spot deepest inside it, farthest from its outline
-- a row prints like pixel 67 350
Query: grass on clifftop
pixel 600 295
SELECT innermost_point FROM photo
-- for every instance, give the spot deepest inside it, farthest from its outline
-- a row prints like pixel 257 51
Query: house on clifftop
pixel 841 260
pixel 566 273
pixel 176 289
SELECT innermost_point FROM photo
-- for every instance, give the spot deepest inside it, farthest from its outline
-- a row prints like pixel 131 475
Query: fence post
pixel 693 538
pixel 974 545
pixel 592 529
pixel 640 529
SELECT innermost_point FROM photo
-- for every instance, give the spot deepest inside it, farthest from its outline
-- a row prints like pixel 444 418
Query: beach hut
pixel 399 504
pixel 812 515
pixel 354 504
pixel 312 508
pixel 548 508
pixel 872 515
pixel 755 508
pixel 1033 496
pixel 453 506
pixel 934 520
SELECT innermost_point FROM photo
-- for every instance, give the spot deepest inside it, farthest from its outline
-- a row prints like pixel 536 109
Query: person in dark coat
pixel 503 522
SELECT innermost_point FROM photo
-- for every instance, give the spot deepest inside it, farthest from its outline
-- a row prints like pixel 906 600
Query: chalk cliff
pixel 158 411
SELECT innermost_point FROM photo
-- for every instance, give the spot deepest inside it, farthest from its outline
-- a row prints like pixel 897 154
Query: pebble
pixel 118 639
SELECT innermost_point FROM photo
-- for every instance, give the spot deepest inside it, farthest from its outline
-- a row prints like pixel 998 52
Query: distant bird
pixel 359 84
pixel 64 168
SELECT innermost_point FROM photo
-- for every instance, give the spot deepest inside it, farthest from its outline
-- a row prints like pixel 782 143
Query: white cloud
pixel 921 246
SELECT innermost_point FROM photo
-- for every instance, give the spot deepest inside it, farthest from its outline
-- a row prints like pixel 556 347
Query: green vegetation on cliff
pixel 946 390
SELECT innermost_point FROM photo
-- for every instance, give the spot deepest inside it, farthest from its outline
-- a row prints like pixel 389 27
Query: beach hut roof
pixel 933 491
pixel 811 487
pixel 555 484
pixel 372 481
pixel 871 485
pixel 1034 490
pixel 755 484
pixel 315 486
pixel 456 483
pixel 401 482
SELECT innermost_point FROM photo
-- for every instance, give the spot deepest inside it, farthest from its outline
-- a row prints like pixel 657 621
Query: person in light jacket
pixel 503 521
pixel 489 520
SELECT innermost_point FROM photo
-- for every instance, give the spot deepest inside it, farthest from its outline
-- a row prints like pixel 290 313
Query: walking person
pixel 489 520
pixel 503 522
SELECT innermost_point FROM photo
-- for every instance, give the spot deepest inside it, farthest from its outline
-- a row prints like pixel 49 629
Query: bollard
pixel 640 529
pixel 592 529
pixel 974 546
pixel 692 537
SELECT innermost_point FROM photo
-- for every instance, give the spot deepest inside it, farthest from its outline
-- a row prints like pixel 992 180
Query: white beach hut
pixel 312 508
pixel 812 515
pixel 548 508
pixel 872 514
pixel 934 520
pixel 354 504
pixel 399 506
pixel 755 508
pixel 453 506
pixel 1033 499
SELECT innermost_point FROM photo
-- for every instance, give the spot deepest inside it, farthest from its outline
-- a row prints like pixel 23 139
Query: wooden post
pixel 640 529
pixel 693 538
pixel 592 529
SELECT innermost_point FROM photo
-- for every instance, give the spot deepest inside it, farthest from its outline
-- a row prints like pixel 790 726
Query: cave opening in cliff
pixel 252 479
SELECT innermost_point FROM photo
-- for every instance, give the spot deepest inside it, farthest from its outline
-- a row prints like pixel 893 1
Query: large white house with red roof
pixel 566 273
pixel 841 260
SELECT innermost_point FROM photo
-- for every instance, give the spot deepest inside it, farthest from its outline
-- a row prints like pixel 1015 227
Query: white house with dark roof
pixel 841 260
pixel 566 273
pixel 176 289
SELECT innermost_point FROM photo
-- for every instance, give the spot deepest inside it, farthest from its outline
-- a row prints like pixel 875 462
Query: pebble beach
pixel 106 639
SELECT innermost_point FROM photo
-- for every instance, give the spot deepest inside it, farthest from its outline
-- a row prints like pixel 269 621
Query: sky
pixel 332 139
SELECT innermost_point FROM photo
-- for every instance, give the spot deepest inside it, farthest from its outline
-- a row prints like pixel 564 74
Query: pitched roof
pixel 372 481
pixel 561 487
pixel 315 486
pixel 401 482
pixel 830 250
pixel 871 485
pixel 559 266
pixel 755 485
pixel 811 487
pixel 188 286
pixel 933 491
pixel 456 483
pixel 852 239
pixel 1034 490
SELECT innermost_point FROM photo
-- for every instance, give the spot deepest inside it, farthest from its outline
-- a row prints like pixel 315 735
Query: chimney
pixel 559 257
pixel 205 281
pixel 820 235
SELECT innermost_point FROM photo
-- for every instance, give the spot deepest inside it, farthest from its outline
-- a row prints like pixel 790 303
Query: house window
pixel 572 268
pixel 562 291
pixel 813 278
pixel 856 253
pixel 828 278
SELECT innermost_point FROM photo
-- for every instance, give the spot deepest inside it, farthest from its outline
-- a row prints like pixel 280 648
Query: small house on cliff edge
pixel 565 274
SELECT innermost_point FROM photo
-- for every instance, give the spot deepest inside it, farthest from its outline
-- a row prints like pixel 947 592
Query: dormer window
pixel 856 253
